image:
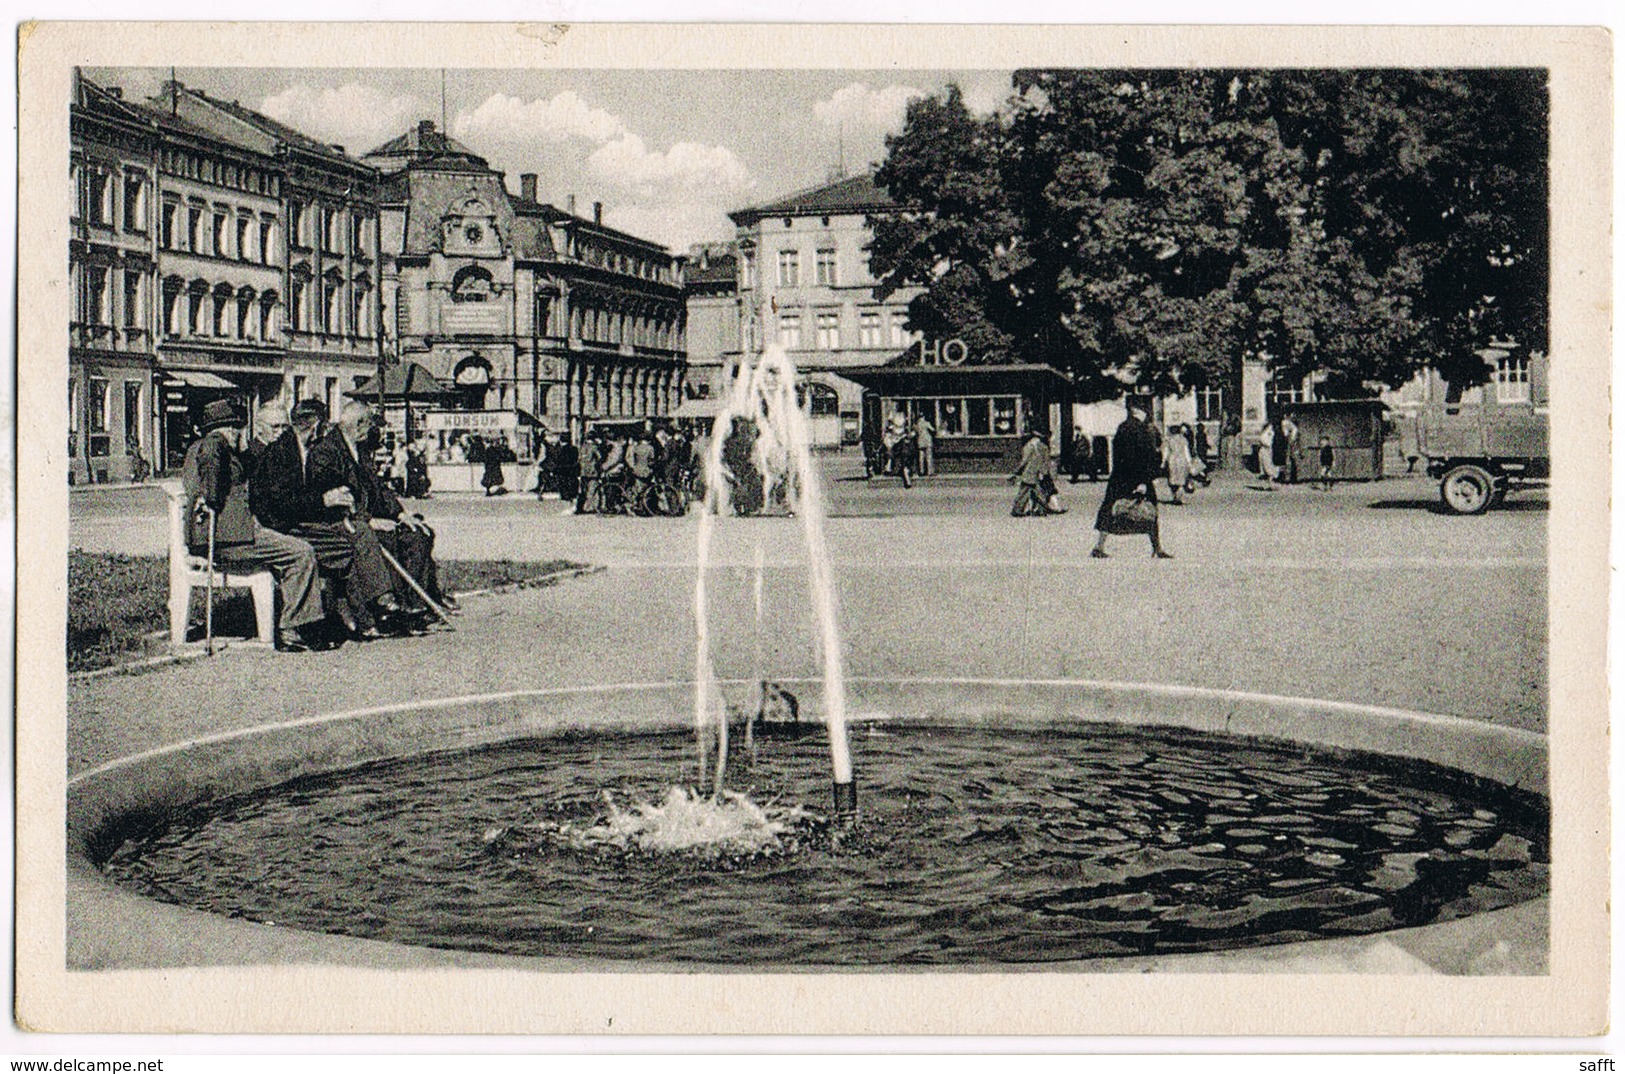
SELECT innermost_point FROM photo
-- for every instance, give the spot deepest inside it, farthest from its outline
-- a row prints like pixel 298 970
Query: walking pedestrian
pixel 1327 458
pixel 1029 477
pixel 1130 502
pixel 925 440
pixel 1078 461
pixel 1267 465
pixel 1176 461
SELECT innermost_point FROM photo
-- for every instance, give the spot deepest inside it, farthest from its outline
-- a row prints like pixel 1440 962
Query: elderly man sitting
pixel 283 500
pixel 215 475
pixel 340 472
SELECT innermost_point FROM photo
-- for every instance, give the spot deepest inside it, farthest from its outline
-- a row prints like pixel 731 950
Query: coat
pixel 329 465
pixel 1136 461
pixel 214 474
pixel 279 493
pixel 1035 462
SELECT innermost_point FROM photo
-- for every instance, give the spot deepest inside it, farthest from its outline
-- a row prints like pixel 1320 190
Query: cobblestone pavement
pixel 1365 594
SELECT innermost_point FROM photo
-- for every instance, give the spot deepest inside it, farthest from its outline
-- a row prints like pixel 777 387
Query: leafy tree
pixel 1154 226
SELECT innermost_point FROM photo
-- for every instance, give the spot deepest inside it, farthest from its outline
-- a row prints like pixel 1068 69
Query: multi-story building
pixel 804 282
pixel 711 299
pixel 536 317
pixel 111 277
pixel 319 233
pixel 221 267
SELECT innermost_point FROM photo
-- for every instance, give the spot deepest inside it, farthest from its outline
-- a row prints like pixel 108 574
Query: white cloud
pixel 674 195
pixel 360 118
pixel 558 119
pixel 858 106
pixel 687 168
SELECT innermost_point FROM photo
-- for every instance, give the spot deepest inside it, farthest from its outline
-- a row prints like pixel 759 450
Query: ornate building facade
pixel 524 308
pixel 215 253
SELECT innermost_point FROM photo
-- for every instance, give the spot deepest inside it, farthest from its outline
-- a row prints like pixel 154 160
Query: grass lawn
pixel 116 603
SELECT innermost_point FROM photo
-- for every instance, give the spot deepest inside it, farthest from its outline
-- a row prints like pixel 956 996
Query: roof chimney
pixel 116 92
pixel 527 185
pixel 425 128
pixel 570 205
pixel 598 212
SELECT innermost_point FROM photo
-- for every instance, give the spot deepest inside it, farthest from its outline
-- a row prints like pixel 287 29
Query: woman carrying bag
pixel 1130 503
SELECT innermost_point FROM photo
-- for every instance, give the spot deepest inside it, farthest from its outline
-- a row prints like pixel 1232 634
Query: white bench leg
pixel 263 586
pixel 180 602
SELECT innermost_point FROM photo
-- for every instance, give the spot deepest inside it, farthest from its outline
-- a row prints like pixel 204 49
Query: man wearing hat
pixel 216 477
pixel 282 499
pixel 1029 476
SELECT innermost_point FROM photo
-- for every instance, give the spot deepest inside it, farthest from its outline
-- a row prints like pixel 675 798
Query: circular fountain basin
pixel 140 795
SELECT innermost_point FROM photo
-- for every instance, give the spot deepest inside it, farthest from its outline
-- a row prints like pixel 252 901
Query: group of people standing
pixel 648 470
pixel 905 448
pixel 301 498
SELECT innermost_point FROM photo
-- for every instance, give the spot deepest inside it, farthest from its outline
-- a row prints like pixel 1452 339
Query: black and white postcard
pixel 808 529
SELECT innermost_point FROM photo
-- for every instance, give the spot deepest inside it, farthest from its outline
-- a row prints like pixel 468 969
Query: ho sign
pixel 944 352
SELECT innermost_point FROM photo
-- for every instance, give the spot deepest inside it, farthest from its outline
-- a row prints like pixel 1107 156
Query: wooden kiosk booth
pixel 981 413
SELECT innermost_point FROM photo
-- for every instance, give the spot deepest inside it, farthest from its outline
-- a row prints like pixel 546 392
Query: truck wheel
pixel 1467 490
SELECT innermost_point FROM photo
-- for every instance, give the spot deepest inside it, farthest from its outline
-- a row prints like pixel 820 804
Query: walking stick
pixel 408 579
pixel 208 591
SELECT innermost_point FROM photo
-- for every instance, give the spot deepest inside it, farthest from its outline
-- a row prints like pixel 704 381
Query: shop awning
pixel 197 378
pixel 408 382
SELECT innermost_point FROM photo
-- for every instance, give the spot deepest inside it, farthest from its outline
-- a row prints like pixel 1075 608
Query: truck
pixel 1490 441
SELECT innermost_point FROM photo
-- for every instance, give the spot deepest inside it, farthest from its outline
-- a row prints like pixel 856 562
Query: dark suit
pixel 283 500
pixel 330 464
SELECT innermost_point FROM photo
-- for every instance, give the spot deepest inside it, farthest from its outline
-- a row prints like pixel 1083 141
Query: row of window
pixel 616 328
pixel 104 195
pixel 876 328
pixel 328 303
pixel 112 296
pixel 328 227
pixel 96 416
pixel 616 261
pixel 964 416
pixel 220 173
pixel 826 268
pixel 217 232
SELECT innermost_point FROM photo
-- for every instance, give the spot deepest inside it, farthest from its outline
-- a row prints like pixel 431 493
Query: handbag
pixel 1135 508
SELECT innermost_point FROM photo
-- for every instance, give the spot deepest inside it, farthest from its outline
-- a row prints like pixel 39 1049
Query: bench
pixel 188 572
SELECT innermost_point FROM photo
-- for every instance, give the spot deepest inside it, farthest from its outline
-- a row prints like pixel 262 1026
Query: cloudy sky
pixel 667 152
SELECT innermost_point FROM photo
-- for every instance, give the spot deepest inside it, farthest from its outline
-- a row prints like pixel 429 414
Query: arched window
pixel 471 284
pixel 472 376
pixel 245 312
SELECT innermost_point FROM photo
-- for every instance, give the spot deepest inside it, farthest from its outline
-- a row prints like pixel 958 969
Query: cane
pixel 407 578
pixel 208 590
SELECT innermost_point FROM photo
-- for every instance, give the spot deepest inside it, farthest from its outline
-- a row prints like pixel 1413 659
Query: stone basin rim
pixel 1513 735
pixel 165 777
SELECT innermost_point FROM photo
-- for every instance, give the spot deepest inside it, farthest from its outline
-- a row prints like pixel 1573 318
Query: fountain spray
pixel 763 394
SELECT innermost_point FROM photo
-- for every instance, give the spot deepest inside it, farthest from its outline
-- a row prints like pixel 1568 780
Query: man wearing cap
pixel 282 500
pixel 216 477
pixel 339 473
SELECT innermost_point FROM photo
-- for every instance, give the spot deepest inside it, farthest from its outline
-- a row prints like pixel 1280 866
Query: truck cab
pixel 1488 441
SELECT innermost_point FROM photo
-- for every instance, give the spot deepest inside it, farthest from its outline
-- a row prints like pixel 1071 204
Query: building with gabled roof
pixel 331 325
pixel 804 282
